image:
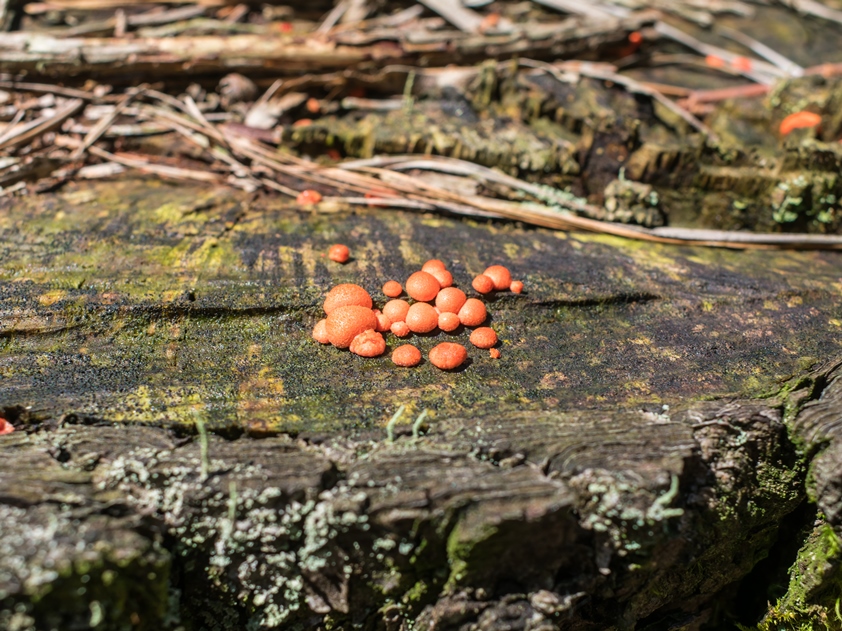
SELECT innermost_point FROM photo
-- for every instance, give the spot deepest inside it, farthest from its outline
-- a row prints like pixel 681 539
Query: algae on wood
pixel 145 303
pixel 574 481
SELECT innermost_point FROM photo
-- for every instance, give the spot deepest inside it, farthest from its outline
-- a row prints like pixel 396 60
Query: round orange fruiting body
pixel 448 355
pixel 448 322
pixel 799 120
pixel 516 287
pixel 450 299
pixel 482 284
pixel 5 427
pixel 320 332
pixel 400 329
pixel 347 294
pixel 406 355
pixel 396 310
pixel 444 277
pixel 313 106
pixel 368 344
pixel 431 265
pixel 501 276
pixel 392 289
pixel 422 286
pixel 422 318
pixel 383 321
pixel 309 197
pixel 472 313
pixel 494 352
pixel 339 253
pixel 345 323
pixel 483 337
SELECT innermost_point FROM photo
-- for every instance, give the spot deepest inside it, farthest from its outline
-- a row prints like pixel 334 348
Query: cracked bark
pixel 550 489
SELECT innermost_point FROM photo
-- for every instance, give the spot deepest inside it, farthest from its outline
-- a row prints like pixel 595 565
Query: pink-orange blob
pixel 406 355
pixel 483 337
pixel 432 264
pixel 346 294
pixel 482 284
pixel 400 329
pixel 444 277
pixel 339 253
pixel 368 344
pixel 392 289
pixel 450 299
pixel 345 323
pixel 422 318
pixel 500 276
pixel 448 322
pixel 422 286
pixel 448 355
pixel 472 313
pixel 396 310
pixel 320 332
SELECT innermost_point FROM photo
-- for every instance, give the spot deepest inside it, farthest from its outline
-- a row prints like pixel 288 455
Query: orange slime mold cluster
pixel 352 321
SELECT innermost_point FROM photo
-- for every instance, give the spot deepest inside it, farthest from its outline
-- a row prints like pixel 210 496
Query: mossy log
pixel 649 452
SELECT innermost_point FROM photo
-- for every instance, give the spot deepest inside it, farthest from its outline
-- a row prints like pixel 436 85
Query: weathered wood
pixel 273 53
pixel 208 305
pixel 578 482
pixel 589 520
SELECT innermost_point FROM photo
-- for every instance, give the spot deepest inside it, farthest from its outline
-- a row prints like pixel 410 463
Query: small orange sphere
pixel 432 264
pixel 392 289
pixel 401 329
pixel 450 299
pixel 483 337
pixel 422 286
pixel 406 355
pixel 516 287
pixel 483 284
pixel 339 253
pixel 472 313
pixel 444 277
pixel 422 318
pixel 320 332
pixel 799 120
pixel 345 323
pixel 313 106
pixel 448 355
pixel 494 352
pixel 347 294
pixel 368 344
pixel 308 197
pixel 396 310
pixel 500 275
pixel 383 321
pixel 448 322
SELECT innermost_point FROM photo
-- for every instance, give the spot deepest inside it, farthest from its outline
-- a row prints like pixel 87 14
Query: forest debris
pixel 787 65
pixel 25 133
pixel 104 123
pixel 459 16
pixel 816 9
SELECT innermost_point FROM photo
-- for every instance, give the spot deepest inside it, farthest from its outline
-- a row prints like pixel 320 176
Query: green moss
pixel 812 601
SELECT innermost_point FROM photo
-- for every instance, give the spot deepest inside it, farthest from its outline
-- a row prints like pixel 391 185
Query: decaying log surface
pixel 142 302
pixel 587 520
pixel 582 481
